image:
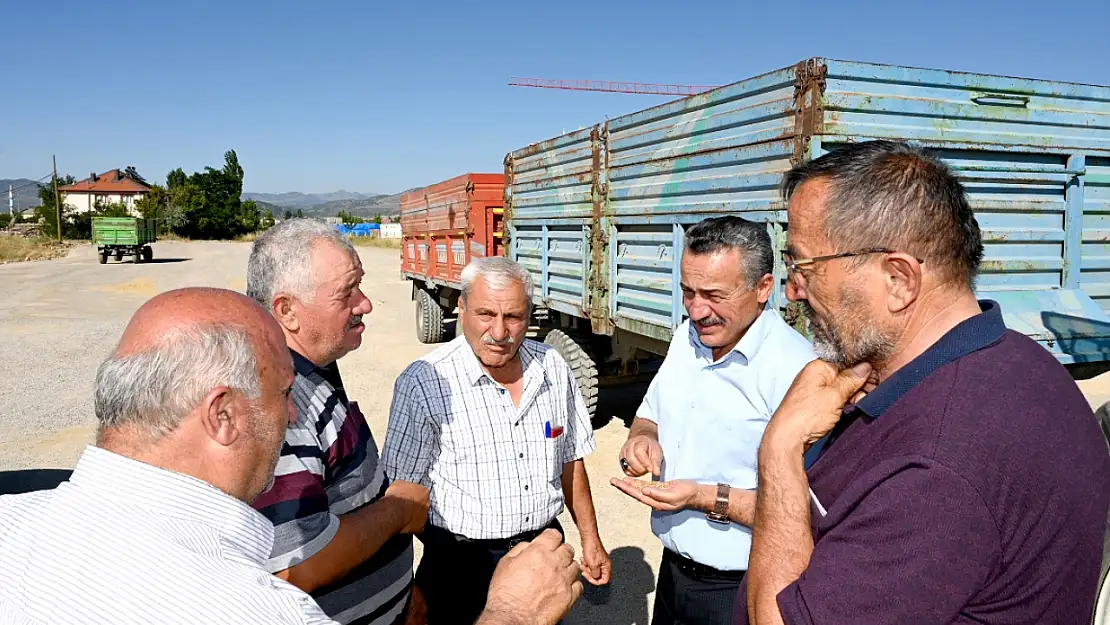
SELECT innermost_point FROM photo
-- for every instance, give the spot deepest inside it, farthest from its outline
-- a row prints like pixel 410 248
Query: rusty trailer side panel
pixel 445 225
pixel 599 215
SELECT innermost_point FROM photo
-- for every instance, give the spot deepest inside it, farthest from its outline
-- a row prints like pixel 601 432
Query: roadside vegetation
pixel 375 242
pixel 18 249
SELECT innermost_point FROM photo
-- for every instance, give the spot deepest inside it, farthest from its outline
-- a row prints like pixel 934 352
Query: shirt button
pixel 502 391
pixel 525 487
pixel 521 455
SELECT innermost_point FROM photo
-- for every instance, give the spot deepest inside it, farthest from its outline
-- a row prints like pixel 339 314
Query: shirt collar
pixel 747 346
pixel 164 493
pixel 305 367
pixel 475 372
pixel 971 335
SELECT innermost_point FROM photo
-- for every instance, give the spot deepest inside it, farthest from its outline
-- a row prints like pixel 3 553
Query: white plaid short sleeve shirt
pixel 494 469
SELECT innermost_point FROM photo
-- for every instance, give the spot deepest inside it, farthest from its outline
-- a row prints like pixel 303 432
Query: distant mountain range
pixel 306 200
pixel 26 193
pixel 366 205
pixel 329 204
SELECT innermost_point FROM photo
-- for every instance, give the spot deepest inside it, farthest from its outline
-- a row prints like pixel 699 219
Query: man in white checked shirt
pixel 495 426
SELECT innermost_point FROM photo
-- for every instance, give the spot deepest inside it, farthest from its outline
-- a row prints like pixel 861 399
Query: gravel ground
pixel 61 317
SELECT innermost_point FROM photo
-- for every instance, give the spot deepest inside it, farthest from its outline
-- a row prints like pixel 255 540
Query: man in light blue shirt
pixel 699 426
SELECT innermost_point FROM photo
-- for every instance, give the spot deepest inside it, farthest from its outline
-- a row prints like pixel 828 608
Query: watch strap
pixel 721 506
pixel 719 513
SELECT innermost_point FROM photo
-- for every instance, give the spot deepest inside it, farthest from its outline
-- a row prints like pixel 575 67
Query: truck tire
pixel 103 257
pixel 119 256
pixel 147 254
pixel 429 318
pixel 581 363
pixel 137 257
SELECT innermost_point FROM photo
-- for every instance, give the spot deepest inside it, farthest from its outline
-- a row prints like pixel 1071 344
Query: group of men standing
pixel 900 468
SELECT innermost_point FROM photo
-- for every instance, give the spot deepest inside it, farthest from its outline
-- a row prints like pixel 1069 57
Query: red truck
pixel 442 227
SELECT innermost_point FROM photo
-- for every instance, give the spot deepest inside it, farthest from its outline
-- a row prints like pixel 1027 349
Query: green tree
pixel 46 209
pixel 250 218
pixel 267 221
pixel 211 201
pixel 5 220
pixel 288 214
pixel 378 218
pixel 349 219
pixel 300 214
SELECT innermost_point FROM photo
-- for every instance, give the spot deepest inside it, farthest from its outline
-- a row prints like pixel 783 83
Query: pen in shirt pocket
pixel 551 432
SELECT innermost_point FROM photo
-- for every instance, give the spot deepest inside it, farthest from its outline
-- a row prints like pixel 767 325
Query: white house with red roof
pixel 112 187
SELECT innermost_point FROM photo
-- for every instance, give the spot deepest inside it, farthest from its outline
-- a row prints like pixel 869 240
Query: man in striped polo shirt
pixel 343 533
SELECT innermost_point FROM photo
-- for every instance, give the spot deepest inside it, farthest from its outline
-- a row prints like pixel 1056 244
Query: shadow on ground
pixel 624 601
pixel 158 261
pixel 619 402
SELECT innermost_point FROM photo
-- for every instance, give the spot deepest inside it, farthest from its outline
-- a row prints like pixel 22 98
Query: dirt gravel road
pixel 60 318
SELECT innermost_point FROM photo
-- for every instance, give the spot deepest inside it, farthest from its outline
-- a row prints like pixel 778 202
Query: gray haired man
pixel 495 426
pixel 699 427
pixel 344 533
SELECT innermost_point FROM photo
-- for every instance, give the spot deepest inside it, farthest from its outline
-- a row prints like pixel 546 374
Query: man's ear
pixel 462 305
pixel 284 311
pixel 765 287
pixel 903 276
pixel 221 416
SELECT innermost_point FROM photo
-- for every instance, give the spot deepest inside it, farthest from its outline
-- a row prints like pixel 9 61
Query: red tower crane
pixel 611 86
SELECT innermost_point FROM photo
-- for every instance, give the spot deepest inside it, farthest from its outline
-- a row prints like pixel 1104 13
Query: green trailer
pixel 124 236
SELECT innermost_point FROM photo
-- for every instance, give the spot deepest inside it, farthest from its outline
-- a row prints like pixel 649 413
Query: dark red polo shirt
pixel 972 486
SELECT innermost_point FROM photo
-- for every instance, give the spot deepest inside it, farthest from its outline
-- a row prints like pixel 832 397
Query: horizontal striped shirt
pixel 125 542
pixel 329 467
pixel 494 469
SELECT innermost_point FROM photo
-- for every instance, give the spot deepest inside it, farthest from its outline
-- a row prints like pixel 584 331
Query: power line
pixel 30 184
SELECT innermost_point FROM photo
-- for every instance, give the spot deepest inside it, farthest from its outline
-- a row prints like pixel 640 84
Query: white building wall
pixel 84 202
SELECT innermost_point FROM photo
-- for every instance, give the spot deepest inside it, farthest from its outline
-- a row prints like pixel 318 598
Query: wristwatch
pixel 719 514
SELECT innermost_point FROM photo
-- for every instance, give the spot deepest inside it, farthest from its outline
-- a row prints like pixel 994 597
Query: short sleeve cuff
pixel 300 553
pixel 581 449
pixel 792 606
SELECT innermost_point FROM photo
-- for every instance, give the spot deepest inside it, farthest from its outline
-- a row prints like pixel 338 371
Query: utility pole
pixel 57 203
pixel 11 204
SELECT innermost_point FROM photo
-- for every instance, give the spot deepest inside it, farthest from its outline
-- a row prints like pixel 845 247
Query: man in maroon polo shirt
pixel 958 474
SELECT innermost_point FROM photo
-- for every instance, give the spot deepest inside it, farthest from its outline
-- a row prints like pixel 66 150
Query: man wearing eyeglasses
pixel 960 475
pixel 699 426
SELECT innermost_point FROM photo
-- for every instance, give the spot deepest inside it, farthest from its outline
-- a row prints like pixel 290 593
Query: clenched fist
pixel 413 501
pixel 642 455
pixel 535 583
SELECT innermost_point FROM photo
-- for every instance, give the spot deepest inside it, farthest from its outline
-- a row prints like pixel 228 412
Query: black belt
pixel 700 571
pixel 438 535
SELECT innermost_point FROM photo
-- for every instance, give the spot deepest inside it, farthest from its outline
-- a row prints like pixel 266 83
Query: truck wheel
pixel 119 256
pixel 147 254
pixel 581 363
pixel 103 257
pixel 429 318
pixel 137 257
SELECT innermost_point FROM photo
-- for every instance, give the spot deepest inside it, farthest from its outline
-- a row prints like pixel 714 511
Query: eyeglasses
pixel 793 265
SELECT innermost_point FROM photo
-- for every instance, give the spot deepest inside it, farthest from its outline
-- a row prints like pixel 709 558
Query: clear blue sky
pixel 382 96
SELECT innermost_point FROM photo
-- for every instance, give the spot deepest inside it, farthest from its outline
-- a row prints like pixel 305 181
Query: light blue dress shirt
pixel 711 416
